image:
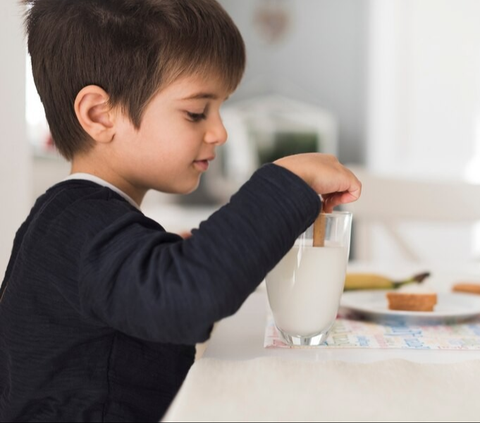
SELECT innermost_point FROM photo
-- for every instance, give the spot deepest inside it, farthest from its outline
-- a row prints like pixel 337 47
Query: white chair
pixel 416 220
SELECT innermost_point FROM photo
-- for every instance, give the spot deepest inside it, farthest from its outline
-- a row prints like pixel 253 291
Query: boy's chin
pixel 186 188
pixel 189 189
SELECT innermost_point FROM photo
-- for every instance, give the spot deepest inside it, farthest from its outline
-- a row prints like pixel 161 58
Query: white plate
pixel 450 307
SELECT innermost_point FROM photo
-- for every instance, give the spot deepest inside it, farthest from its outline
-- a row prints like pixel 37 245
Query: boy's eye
pixel 196 117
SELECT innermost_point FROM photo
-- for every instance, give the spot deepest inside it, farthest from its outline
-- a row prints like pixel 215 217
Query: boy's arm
pixel 154 285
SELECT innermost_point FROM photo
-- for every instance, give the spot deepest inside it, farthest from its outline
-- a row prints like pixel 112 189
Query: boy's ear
pixel 94 113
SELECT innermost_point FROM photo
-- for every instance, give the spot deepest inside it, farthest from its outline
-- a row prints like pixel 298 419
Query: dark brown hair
pixel 130 48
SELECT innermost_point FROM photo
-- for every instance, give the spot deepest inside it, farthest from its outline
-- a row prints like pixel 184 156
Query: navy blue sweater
pixel 101 308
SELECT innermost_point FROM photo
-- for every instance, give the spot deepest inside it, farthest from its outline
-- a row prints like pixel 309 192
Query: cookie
pixel 467 287
pixel 411 301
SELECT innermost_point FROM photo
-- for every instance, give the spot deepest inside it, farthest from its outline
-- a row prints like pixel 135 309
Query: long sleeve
pixel 153 285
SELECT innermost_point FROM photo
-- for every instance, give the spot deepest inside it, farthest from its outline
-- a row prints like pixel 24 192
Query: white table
pixel 238 379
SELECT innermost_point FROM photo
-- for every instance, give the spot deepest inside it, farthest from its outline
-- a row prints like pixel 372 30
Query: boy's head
pixel 129 48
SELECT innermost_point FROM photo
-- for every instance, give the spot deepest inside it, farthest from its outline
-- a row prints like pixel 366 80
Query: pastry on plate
pixel 412 299
pixel 467 287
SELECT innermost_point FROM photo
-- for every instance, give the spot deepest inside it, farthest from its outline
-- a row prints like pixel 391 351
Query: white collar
pixel 100 181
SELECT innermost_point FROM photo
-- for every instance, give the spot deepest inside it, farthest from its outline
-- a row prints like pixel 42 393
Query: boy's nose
pixel 216 132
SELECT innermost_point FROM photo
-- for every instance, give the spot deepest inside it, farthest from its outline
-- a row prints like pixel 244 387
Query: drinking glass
pixel 305 287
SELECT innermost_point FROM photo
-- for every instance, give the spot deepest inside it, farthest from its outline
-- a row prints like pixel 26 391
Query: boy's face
pixel 179 133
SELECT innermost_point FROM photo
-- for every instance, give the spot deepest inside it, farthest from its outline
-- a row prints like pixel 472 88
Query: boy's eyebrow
pixel 203 96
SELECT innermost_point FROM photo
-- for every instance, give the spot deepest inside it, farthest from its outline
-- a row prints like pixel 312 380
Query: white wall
pixel 424 87
pixel 321 60
pixel 14 149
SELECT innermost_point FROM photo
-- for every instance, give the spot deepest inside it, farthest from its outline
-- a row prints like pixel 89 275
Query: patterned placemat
pixel 350 333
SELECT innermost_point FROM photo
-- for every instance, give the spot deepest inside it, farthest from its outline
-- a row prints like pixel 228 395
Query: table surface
pixel 240 339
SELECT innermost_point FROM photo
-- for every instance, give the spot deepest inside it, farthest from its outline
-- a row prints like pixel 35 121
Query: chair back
pixel 396 206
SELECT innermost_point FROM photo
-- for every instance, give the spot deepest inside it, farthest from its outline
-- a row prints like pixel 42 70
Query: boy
pixel 101 308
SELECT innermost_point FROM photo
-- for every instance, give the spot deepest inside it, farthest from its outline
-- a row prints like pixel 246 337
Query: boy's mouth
pixel 203 165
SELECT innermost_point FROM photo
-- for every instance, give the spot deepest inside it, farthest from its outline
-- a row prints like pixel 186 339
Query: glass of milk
pixel 305 287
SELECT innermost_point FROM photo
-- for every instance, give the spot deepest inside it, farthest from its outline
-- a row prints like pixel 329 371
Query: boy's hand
pixel 326 175
pixel 185 234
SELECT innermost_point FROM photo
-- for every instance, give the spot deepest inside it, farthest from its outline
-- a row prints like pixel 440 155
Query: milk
pixel 305 287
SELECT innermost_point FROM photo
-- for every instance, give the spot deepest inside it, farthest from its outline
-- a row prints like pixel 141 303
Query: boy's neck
pixel 100 170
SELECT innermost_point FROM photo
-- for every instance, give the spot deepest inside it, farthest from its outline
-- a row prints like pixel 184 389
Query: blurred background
pixel 389 86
